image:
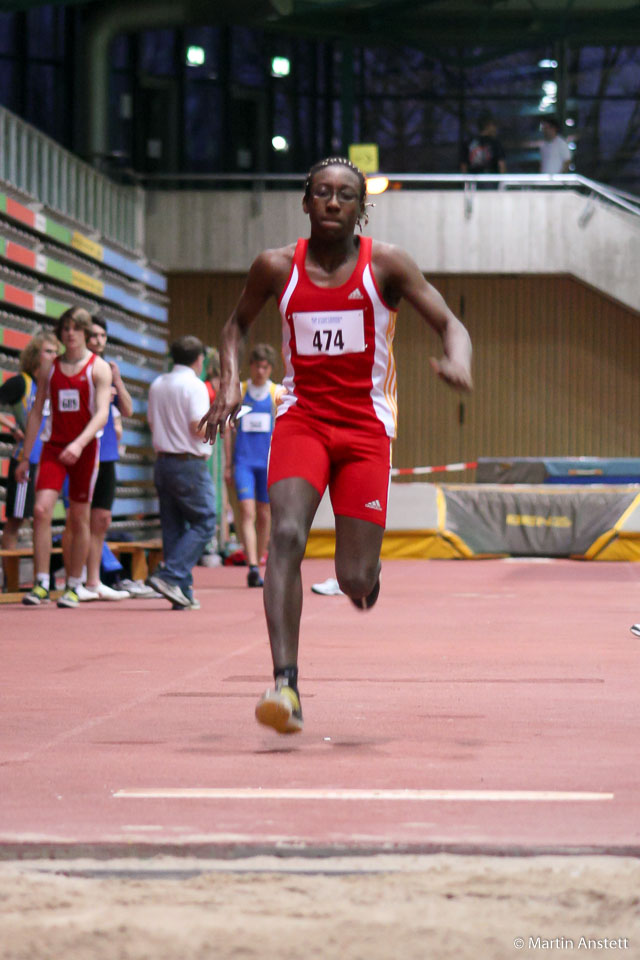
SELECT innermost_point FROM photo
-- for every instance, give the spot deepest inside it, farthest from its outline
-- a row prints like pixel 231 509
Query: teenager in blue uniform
pixel 247 469
pixel 19 392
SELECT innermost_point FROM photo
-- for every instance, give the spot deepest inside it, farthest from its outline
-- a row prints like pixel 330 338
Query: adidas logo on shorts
pixel 356 295
pixel 374 505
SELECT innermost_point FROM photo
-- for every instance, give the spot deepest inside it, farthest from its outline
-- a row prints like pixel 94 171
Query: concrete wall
pixel 505 231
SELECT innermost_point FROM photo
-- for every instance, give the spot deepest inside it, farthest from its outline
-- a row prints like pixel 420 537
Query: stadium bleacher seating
pixel 47 264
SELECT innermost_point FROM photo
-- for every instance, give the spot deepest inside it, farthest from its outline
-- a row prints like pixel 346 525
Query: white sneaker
pixel 139 589
pixel 328 588
pixel 170 591
pixel 102 592
pixel 85 594
pixel 194 604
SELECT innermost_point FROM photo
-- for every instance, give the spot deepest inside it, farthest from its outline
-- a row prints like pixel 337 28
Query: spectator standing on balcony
pixel 178 400
pixel 555 154
pixel 78 387
pixel 20 393
pixel 484 153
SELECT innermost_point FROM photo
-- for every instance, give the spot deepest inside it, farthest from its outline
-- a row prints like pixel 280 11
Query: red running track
pixel 487 705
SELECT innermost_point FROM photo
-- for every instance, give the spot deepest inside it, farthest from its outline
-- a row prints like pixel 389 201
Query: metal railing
pixel 47 174
pixel 466 181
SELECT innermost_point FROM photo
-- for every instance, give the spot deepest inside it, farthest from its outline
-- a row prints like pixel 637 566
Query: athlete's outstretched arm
pixel 401 277
pixel 259 287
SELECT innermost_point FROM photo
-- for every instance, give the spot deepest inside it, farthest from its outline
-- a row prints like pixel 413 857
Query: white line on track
pixel 256 793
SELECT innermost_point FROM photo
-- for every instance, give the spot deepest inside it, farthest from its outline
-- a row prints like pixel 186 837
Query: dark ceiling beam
pixel 433 29
pixel 422 24
pixel 17 6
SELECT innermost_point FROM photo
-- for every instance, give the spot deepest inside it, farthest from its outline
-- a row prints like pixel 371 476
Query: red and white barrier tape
pixel 445 468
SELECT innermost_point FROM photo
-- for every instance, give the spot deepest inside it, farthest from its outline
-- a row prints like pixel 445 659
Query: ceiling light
pixel 195 56
pixel 280 66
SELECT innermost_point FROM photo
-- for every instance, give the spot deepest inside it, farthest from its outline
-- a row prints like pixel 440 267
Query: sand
pixel 352 908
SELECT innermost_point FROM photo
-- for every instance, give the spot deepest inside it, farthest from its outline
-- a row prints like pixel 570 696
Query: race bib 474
pixel 329 332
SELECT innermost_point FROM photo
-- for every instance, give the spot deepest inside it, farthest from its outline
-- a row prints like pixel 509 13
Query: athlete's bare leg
pixel 78 522
pixel 42 514
pixel 248 530
pixel 358 544
pixel 66 548
pixel 99 524
pixel 294 502
pixel 263 527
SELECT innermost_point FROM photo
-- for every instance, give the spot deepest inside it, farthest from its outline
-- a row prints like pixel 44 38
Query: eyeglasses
pixel 343 194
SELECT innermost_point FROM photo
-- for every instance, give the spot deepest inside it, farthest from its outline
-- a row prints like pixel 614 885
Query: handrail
pixel 36 166
pixel 625 201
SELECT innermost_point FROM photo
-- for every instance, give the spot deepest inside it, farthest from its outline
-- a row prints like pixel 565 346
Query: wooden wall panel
pixel 201 303
pixel 555 366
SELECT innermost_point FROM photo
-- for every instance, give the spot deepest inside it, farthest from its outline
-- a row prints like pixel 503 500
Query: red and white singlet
pixel 337 347
pixel 73 402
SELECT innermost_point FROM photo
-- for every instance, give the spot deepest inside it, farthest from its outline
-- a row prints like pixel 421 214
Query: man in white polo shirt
pixel 555 153
pixel 178 400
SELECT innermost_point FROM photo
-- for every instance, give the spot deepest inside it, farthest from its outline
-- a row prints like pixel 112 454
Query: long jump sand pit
pixel 384 907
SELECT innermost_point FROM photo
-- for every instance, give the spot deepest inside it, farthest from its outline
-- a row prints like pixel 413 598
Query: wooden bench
pixel 11 563
pixel 145 555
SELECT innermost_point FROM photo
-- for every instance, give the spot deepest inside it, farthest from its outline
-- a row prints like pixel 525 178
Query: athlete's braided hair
pixel 342 162
pixel 336 162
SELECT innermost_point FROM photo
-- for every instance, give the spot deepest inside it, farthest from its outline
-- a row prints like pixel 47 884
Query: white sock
pixel 74 582
pixel 43 580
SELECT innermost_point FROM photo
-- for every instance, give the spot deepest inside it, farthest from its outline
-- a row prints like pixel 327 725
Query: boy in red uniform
pixel 338 296
pixel 78 386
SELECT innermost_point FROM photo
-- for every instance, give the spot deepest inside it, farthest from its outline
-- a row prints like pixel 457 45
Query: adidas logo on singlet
pixel 356 295
pixel 374 505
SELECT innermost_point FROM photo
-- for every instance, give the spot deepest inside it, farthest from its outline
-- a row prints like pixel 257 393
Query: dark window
pixel 247 57
pixel 7 33
pixel 157 52
pixel 44 109
pixel 121 52
pixel 8 85
pixel 45 32
pixel 121 117
pixel 305 66
pixel 417 106
pixel 203 128
pixel 209 39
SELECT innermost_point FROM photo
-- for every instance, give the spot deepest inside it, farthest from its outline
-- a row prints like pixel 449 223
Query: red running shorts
pixel 354 463
pixel 82 475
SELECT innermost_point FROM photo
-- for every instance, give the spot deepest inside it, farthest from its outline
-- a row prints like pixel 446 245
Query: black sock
pixel 288 677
